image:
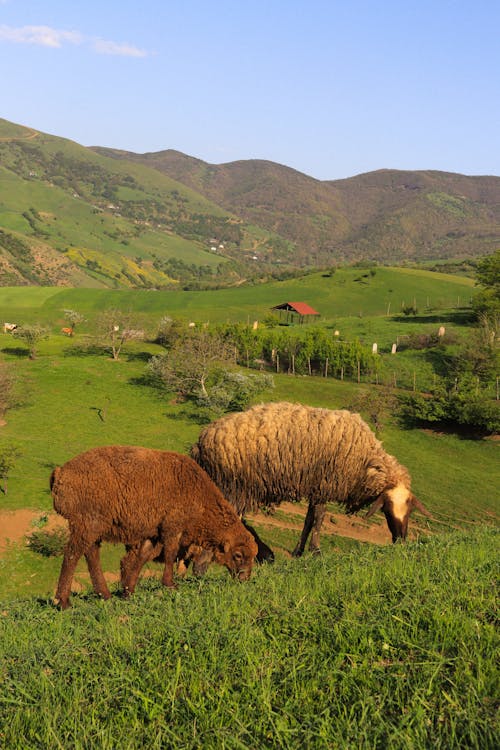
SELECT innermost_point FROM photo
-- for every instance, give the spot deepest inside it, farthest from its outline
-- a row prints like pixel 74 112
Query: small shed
pixel 291 309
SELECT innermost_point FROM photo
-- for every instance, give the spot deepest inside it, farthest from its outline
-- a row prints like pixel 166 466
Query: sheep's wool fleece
pixel 125 492
pixel 283 451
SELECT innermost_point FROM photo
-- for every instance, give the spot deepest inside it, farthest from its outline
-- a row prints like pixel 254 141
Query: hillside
pixel 387 215
pixel 69 216
pixel 95 217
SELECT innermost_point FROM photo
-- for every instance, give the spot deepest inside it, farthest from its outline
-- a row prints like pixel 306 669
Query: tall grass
pixel 385 647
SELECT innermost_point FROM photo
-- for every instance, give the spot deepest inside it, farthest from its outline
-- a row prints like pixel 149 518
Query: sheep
pixel 283 451
pixel 152 550
pixel 9 327
pixel 131 495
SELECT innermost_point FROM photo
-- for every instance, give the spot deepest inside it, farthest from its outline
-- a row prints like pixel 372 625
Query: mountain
pixel 387 215
pixel 71 215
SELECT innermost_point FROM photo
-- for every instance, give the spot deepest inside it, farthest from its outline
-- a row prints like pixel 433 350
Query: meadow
pixel 365 646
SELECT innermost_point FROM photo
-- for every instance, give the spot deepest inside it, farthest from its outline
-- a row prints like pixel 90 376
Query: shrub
pixel 48 543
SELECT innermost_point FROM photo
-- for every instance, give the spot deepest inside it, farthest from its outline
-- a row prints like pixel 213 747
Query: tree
pixel 74 318
pixel 487 301
pixel 31 335
pixel 6 390
pixel 115 328
pixel 191 362
pixel 8 455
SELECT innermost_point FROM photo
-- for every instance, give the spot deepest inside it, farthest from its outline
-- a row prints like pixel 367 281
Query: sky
pixel 332 88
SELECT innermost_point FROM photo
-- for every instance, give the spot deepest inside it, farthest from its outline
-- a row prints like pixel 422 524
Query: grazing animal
pixel 67 331
pixel 9 327
pixel 152 550
pixel 131 495
pixel 283 451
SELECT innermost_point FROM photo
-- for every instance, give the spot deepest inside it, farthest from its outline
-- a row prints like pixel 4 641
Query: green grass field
pixel 364 647
pixel 336 298
pixel 390 647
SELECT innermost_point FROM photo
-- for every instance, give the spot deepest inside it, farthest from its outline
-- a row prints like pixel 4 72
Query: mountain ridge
pixel 77 215
pixel 364 216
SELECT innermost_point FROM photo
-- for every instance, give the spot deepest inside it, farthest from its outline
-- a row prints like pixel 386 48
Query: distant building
pixel 291 309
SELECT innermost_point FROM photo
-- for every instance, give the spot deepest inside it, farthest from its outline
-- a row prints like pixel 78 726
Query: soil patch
pixel 16 524
pixel 339 524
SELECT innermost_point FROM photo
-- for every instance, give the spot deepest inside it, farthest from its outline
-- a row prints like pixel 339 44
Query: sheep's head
pixel 237 556
pixel 201 561
pixel 396 504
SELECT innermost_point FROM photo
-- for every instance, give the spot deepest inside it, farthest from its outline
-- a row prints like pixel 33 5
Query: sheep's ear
pixel 417 505
pixel 375 506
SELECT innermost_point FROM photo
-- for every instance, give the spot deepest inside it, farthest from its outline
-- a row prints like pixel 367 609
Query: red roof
pixel 301 308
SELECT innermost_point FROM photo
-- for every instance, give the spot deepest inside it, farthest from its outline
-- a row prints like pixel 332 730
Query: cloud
pixel 41 35
pixel 112 48
pixel 45 36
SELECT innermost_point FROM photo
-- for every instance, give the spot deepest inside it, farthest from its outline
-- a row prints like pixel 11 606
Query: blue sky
pixel 331 88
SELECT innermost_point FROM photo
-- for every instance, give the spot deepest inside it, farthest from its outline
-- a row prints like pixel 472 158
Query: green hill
pixel 71 216
pixel 103 218
pixel 388 215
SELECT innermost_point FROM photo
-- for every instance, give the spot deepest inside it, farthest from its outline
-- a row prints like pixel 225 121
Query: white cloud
pixel 42 35
pixel 45 36
pixel 113 48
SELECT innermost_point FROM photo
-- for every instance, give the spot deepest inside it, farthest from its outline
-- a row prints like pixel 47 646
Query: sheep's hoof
pixel 60 603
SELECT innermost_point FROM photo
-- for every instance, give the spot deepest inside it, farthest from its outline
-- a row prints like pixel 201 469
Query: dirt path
pixel 337 524
pixel 15 524
pixel 29 137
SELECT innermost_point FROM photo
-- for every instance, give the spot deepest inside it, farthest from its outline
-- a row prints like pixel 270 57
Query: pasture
pixel 374 648
pixel 366 646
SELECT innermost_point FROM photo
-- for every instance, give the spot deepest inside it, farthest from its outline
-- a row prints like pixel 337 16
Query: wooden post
pixel 293 364
pixel 309 365
pixel 359 371
pixel 277 362
pixel 326 367
pixel 342 372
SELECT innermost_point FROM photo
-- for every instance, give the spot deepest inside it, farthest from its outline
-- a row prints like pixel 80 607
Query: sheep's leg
pixel 182 566
pixel 133 562
pixel 72 553
pixel 93 557
pixel 306 530
pixel 170 552
pixel 319 514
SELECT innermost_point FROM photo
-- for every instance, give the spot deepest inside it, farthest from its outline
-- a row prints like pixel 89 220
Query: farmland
pixel 368 645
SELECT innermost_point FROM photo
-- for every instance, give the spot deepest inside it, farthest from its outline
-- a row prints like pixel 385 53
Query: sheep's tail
pixel 195 452
pixel 54 476
pixel 54 481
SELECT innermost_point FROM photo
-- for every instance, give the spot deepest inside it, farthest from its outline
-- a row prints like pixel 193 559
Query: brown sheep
pixel 283 451
pixel 130 495
pixel 152 550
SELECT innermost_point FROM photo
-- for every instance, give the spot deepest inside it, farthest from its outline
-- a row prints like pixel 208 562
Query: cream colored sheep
pixel 284 451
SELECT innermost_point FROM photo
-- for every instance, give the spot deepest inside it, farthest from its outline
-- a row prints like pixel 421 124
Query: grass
pixel 358 308
pixel 382 647
pixel 365 646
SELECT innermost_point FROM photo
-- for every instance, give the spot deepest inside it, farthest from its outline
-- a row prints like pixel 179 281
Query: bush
pixel 461 403
pixel 233 391
pixel 48 543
